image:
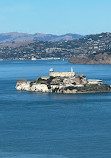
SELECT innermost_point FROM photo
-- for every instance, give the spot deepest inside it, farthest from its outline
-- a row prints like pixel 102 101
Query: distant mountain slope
pixel 15 36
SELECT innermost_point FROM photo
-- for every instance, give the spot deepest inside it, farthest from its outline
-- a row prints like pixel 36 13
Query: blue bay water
pixel 37 125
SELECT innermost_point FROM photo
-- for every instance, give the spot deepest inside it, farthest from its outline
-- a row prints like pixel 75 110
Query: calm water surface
pixel 36 125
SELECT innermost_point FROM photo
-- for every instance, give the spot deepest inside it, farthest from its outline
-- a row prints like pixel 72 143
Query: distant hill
pixel 15 36
pixel 93 49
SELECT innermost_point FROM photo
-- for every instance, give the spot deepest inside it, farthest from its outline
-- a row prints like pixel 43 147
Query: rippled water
pixel 36 125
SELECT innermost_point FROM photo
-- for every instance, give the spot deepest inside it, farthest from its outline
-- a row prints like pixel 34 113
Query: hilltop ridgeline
pixel 15 36
pixel 88 45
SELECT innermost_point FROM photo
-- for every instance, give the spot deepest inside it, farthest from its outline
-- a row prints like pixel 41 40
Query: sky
pixel 55 16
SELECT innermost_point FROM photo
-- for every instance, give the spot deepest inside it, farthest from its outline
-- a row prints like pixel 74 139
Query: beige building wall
pixel 62 74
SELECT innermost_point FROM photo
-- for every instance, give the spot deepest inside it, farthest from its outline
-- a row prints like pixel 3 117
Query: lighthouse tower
pixel 71 69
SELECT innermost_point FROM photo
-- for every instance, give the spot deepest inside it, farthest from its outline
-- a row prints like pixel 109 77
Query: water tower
pixel 51 70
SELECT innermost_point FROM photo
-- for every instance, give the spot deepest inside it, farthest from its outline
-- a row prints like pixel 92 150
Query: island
pixel 63 82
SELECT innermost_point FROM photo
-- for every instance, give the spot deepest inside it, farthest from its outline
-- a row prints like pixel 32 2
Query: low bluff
pixel 97 58
pixel 63 82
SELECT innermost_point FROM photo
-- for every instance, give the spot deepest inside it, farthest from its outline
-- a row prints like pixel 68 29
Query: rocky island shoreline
pixel 63 82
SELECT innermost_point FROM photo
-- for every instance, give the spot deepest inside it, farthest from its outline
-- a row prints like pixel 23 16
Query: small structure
pixel 33 58
pixel 51 70
pixel 62 74
pixel 94 81
pixel 80 75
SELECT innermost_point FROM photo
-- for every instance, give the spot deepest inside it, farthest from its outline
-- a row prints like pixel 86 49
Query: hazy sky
pixel 55 16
